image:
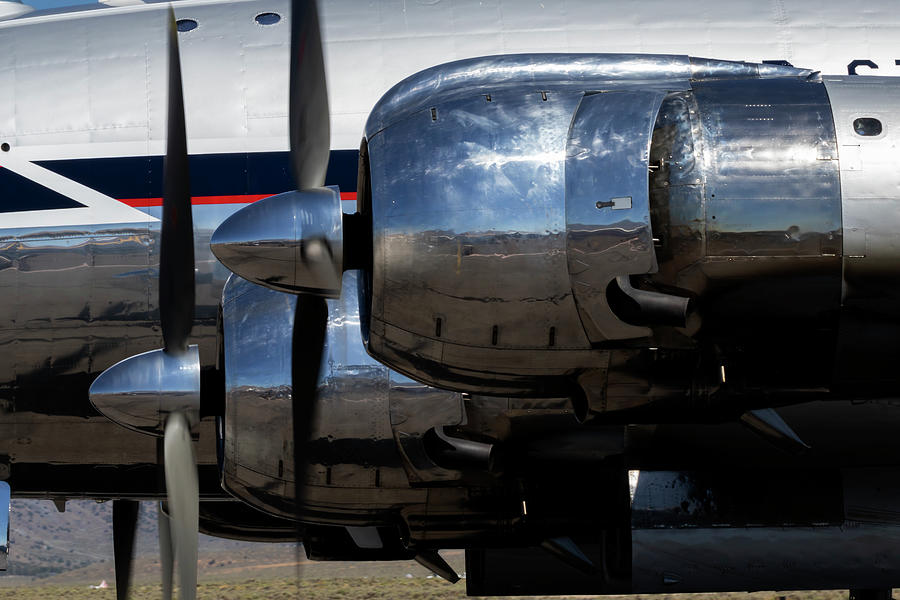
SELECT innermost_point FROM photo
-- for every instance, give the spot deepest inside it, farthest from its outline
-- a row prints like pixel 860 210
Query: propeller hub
pixel 140 392
pixel 292 242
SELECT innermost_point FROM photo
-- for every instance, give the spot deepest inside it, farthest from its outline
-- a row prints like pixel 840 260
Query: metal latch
pixel 623 203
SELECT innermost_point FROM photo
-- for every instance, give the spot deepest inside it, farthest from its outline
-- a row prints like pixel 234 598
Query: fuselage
pixel 82 127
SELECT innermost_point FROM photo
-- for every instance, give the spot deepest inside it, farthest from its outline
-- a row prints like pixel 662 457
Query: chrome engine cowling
pixel 616 228
pixel 371 431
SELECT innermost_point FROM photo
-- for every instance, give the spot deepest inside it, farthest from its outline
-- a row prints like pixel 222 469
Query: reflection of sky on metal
pixel 266 346
pixel 344 342
pixel 492 159
pixel 44 4
pixel 4 516
pixel 487 166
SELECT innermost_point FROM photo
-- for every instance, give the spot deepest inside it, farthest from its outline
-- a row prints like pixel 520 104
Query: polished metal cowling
pixel 517 247
pixel 291 242
pixel 368 438
pixel 607 203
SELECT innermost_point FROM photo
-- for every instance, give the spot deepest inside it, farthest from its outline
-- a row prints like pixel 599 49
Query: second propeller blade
pixel 183 492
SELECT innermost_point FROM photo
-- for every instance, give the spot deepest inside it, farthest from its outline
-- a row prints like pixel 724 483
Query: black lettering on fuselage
pixel 860 62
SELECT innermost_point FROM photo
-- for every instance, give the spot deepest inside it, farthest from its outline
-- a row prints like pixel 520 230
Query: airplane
pixel 605 295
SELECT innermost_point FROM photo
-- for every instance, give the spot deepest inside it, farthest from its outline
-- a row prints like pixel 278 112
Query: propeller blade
pixel 308 105
pixel 125 516
pixel 166 555
pixel 176 252
pixel 307 346
pixel 308 343
pixel 183 493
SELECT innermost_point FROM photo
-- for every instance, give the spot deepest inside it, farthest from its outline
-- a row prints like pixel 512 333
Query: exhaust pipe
pixel 456 453
pixel 653 308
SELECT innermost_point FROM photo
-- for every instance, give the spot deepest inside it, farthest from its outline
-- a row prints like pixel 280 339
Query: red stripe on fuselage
pixel 239 199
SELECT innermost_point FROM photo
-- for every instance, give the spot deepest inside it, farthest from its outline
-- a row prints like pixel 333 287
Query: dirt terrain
pixel 370 588
pixel 61 555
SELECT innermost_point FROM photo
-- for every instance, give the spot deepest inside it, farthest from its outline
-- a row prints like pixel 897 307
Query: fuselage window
pixel 186 25
pixel 268 18
pixel 867 126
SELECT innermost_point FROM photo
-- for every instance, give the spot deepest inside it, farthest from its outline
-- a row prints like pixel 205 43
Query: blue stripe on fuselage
pixel 249 173
pixel 18 193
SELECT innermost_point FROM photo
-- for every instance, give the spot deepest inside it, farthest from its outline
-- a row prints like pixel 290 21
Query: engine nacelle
pixel 616 227
pixel 376 433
